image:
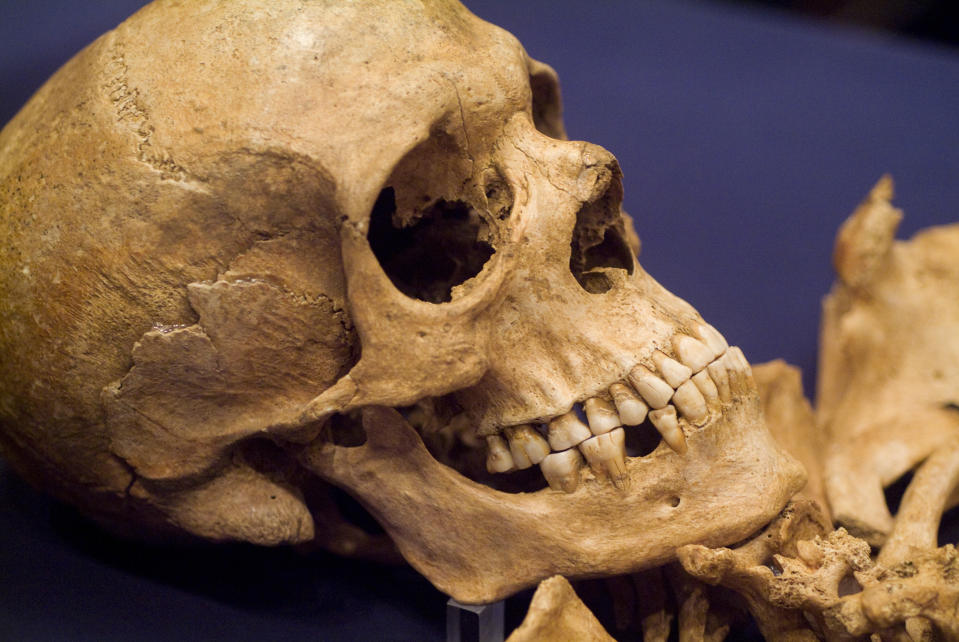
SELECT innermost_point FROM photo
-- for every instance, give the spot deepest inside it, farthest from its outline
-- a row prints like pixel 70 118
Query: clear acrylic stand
pixel 484 622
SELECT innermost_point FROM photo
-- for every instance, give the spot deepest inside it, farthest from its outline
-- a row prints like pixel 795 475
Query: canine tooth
pixel 632 410
pixel 668 426
pixel 567 431
pixel 526 445
pixel 498 459
pixel 673 371
pixel 690 402
pixel 706 386
pixel 601 415
pixel 654 390
pixel 561 470
pixel 692 352
pixel 713 339
pixel 606 455
pixel 717 372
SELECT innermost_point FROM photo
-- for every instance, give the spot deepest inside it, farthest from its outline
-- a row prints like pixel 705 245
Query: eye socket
pixel 599 242
pixel 432 253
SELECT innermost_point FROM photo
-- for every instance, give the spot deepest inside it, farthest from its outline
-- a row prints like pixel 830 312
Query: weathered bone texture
pixel 888 389
pixel 234 232
pixel 556 613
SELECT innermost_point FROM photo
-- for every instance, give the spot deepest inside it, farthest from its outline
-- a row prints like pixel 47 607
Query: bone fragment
pixel 498 457
pixel 690 403
pixel 693 353
pixel 606 455
pixel 654 390
pixel 567 431
pixel 556 613
pixel 673 371
pixel 601 415
pixel 668 426
pixel 526 445
pixel 561 470
pixel 630 407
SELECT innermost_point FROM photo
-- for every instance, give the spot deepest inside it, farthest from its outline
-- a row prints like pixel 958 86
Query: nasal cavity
pixel 599 246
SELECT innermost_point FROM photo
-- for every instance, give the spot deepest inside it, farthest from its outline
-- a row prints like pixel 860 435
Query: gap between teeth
pixel 681 388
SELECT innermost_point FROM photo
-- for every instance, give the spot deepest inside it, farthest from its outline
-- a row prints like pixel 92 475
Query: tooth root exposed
pixel 706 386
pixel 526 445
pixel 654 390
pixel 689 401
pixel 713 339
pixel 567 431
pixel 601 415
pixel 667 424
pixel 498 457
pixel 693 353
pixel 673 371
pixel 606 455
pixel 561 470
pixel 631 409
pixel 717 372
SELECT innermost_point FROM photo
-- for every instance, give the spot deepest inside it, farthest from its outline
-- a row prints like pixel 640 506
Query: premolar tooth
pixel 654 390
pixel 712 338
pixel 690 402
pixel 498 459
pixel 601 415
pixel 567 431
pixel 673 371
pixel 692 352
pixel 632 410
pixel 706 386
pixel 668 426
pixel 561 470
pixel 606 455
pixel 526 445
pixel 717 372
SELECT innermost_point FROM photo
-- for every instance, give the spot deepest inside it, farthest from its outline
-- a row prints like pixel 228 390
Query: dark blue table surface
pixel 745 138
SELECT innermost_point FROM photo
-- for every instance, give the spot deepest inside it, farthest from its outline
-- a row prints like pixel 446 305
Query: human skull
pixel 248 243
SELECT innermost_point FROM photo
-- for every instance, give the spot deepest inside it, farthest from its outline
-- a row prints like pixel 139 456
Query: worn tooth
pixel 498 458
pixel 567 431
pixel 717 372
pixel 561 470
pixel 654 390
pixel 706 386
pixel 526 445
pixel 713 339
pixel 632 410
pixel 667 424
pixel 739 359
pixel 601 415
pixel 693 353
pixel 690 402
pixel 673 371
pixel 606 455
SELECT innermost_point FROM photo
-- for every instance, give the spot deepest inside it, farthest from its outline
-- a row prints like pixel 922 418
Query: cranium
pixel 247 243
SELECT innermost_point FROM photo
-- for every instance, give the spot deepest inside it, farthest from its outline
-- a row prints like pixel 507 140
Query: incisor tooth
pixel 668 426
pixel 498 459
pixel 690 402
pixel 717 372
pixel 673 371
pixel 706 386
pixel 632 410
pixel 692 352
pixel 606 455
pixel 526 445
pixel 561 470
pixel 601 415
pixel 654 390
pixel 712 338
pixel 567 431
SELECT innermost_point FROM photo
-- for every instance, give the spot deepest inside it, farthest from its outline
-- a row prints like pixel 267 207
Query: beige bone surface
pixel 556 613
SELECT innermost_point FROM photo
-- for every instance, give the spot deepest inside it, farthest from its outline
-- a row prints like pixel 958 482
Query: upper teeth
pixel 681 393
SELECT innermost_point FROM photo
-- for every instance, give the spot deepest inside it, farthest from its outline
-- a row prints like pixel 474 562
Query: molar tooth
pixel 668 426
pixel 654 390
pixel 526 445
pixel 717 372
pixel 567 431
pixel 561 470
pixel 692 352
pixel 606 455
pixel 706 386
pixel 673 371
pixel 498 459
pixel 690 402
pixel 601 415
pixel 713 339
pixel 632 410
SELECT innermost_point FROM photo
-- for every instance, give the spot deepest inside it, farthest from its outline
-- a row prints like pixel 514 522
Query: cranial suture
pixel 257 248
